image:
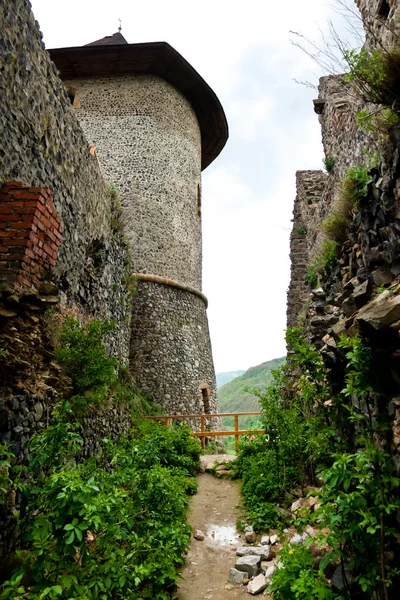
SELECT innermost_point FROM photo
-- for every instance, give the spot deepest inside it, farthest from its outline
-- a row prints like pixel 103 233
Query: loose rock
pixel 248 564
pixel 297 540
pixel 265 540
pixel 263 551
pixel 251 537
pixel 258 585
pixel 199 535
pixel 236 576
pixel 274 539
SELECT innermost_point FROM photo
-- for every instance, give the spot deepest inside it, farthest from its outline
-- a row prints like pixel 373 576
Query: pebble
pixel 199 535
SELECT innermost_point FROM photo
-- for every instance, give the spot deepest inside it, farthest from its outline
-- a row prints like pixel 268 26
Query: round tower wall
pixel 170 349
pixel 147 139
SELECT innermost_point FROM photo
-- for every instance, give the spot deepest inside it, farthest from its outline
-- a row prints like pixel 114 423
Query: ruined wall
pixel 310 187
pixel 43 145
pixel 61 246
pixel 360 295
pixel 381 20
pixel 346 144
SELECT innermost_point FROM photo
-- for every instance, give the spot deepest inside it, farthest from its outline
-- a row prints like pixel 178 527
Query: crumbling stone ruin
pixel 360 294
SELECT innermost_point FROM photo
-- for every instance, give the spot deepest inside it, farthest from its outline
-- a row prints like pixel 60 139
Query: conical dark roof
pixel 113 56
pixel 110 40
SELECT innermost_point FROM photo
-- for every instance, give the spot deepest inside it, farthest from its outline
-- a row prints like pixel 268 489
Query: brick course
pixel 30 234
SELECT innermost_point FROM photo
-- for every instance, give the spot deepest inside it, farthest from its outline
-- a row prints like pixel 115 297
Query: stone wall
pixel 148 142
pixel 310 187
pixel 43 145
pixel 147 139
pixel 346 144
pixel 360 295
pixel 170 348
pixel 381 22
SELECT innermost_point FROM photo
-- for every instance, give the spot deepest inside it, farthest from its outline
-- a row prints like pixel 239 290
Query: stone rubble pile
pixel 255 564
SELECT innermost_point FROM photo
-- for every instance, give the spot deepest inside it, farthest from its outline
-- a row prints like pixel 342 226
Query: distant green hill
pixel 232 398
pixel 223 378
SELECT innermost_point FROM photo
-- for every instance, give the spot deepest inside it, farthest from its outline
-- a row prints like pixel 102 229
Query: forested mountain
pixel 232 397
pixel 223 378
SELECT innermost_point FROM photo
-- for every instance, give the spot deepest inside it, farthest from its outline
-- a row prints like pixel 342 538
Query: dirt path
pixel 214 511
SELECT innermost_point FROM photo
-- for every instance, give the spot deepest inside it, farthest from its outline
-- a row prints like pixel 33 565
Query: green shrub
pixel 82 353
pixel 379 121
pixel 323 261
pixel 329 251
pixel 5 466
pixel 296 579
pixel 166 446
pixel 376 74
pixel 311 276
pixel 96 532
pixel 113 191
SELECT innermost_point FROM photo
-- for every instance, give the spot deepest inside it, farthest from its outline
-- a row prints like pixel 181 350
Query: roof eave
pixel 158 58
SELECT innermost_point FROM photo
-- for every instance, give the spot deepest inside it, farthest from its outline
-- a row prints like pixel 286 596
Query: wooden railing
pixel 203 434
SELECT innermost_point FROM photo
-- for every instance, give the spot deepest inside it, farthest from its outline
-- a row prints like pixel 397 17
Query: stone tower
pixel 155 125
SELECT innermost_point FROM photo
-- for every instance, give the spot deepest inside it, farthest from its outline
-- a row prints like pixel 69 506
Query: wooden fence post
pixel 237 436
pixel 202 428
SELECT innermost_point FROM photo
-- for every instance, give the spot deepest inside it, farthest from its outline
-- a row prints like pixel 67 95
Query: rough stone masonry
pixel 152 138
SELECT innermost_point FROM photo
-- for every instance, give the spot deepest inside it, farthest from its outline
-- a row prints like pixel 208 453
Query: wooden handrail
pixel 202 434
pixel 198 416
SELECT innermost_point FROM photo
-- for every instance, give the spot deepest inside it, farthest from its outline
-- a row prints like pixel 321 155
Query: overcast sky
pixel 243 50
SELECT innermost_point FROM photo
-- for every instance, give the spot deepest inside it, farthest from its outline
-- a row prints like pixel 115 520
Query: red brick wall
pixel 30 234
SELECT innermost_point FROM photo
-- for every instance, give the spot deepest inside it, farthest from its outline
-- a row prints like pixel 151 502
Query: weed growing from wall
pixel 335 227
pixel 329 164
pixel 353 187
pixel 323 262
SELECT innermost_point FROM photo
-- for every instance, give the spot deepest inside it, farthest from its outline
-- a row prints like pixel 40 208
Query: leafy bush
pixel 101 533
pixel 323 261
pixel 379 121
pixel 278 461
pixel 166 446
pixel 296 579
pixel 113 191
pixel 376 74
pixel 329 253
pixel 107 528
pixel 311 276
pixel 5 465
pixel 82 353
